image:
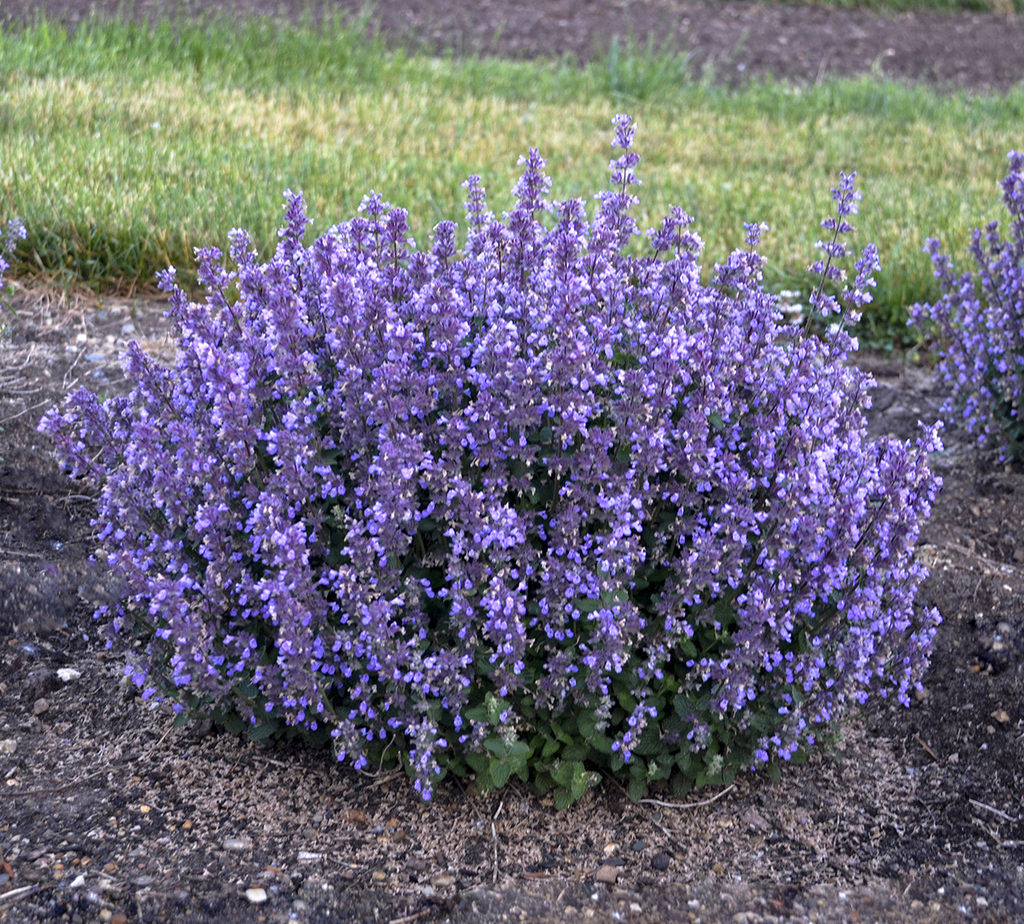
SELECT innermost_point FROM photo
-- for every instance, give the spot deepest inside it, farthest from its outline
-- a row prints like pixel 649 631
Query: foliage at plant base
pixel 546 506
pixel 980 319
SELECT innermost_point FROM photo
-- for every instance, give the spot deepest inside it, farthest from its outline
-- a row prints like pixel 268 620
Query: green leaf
pixel 650 741
pixel 576 751
pixel 561 734
pixel 501 770
pixel 625 698
pixel 682 784
pixel 602 744
pixel 497 746
pixel 247 689
pixel 564 771
pixel 659 771
pixel 231 722
pixel 637 788
pixel 551 747
pixel 563 799
pixel 262 730
pixel 586 723
pixel 519 751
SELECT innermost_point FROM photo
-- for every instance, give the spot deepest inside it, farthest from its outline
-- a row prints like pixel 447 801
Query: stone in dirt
pixel 256 895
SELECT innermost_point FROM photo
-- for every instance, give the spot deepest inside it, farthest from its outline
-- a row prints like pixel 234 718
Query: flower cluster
pixel 980 319
pixel 14 231
pixel 546 505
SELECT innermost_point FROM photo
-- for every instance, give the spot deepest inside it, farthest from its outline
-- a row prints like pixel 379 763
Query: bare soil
pixel 108 813
pixel 728 41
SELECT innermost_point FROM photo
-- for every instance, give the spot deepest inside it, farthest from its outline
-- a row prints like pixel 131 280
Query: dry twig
pixel 927 749
pixel 409 918
pixel 994 811
pixel 494 838
pixel 15 894
pixel 688 805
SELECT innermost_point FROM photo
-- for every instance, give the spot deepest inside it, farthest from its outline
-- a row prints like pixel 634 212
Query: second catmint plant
pixel 549 504
pixel 979 320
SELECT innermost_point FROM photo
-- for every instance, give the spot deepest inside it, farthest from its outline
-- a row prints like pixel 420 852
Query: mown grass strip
pixel 122 148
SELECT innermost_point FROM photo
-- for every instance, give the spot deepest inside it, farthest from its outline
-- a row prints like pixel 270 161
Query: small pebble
pixel 607 874
pixel 660 861
pixel 40 706
pixel 8 745
pixel 256 895
pixel 237 843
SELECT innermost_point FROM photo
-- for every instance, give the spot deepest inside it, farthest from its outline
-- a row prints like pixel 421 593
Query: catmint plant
pixel 9 236
pixel 980 323
pixel 546 504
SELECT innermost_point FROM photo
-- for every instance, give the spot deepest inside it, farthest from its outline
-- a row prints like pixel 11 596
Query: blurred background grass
pixel 123 147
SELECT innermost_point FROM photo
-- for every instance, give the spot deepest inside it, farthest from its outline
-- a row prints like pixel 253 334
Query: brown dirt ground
pixel 728 41
pixel 109 814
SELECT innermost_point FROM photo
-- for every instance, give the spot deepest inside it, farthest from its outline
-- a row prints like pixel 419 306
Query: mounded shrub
pixel 541 506
pixel 980 322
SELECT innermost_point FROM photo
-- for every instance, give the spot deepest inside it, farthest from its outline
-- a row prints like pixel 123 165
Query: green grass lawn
pixel 123 148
